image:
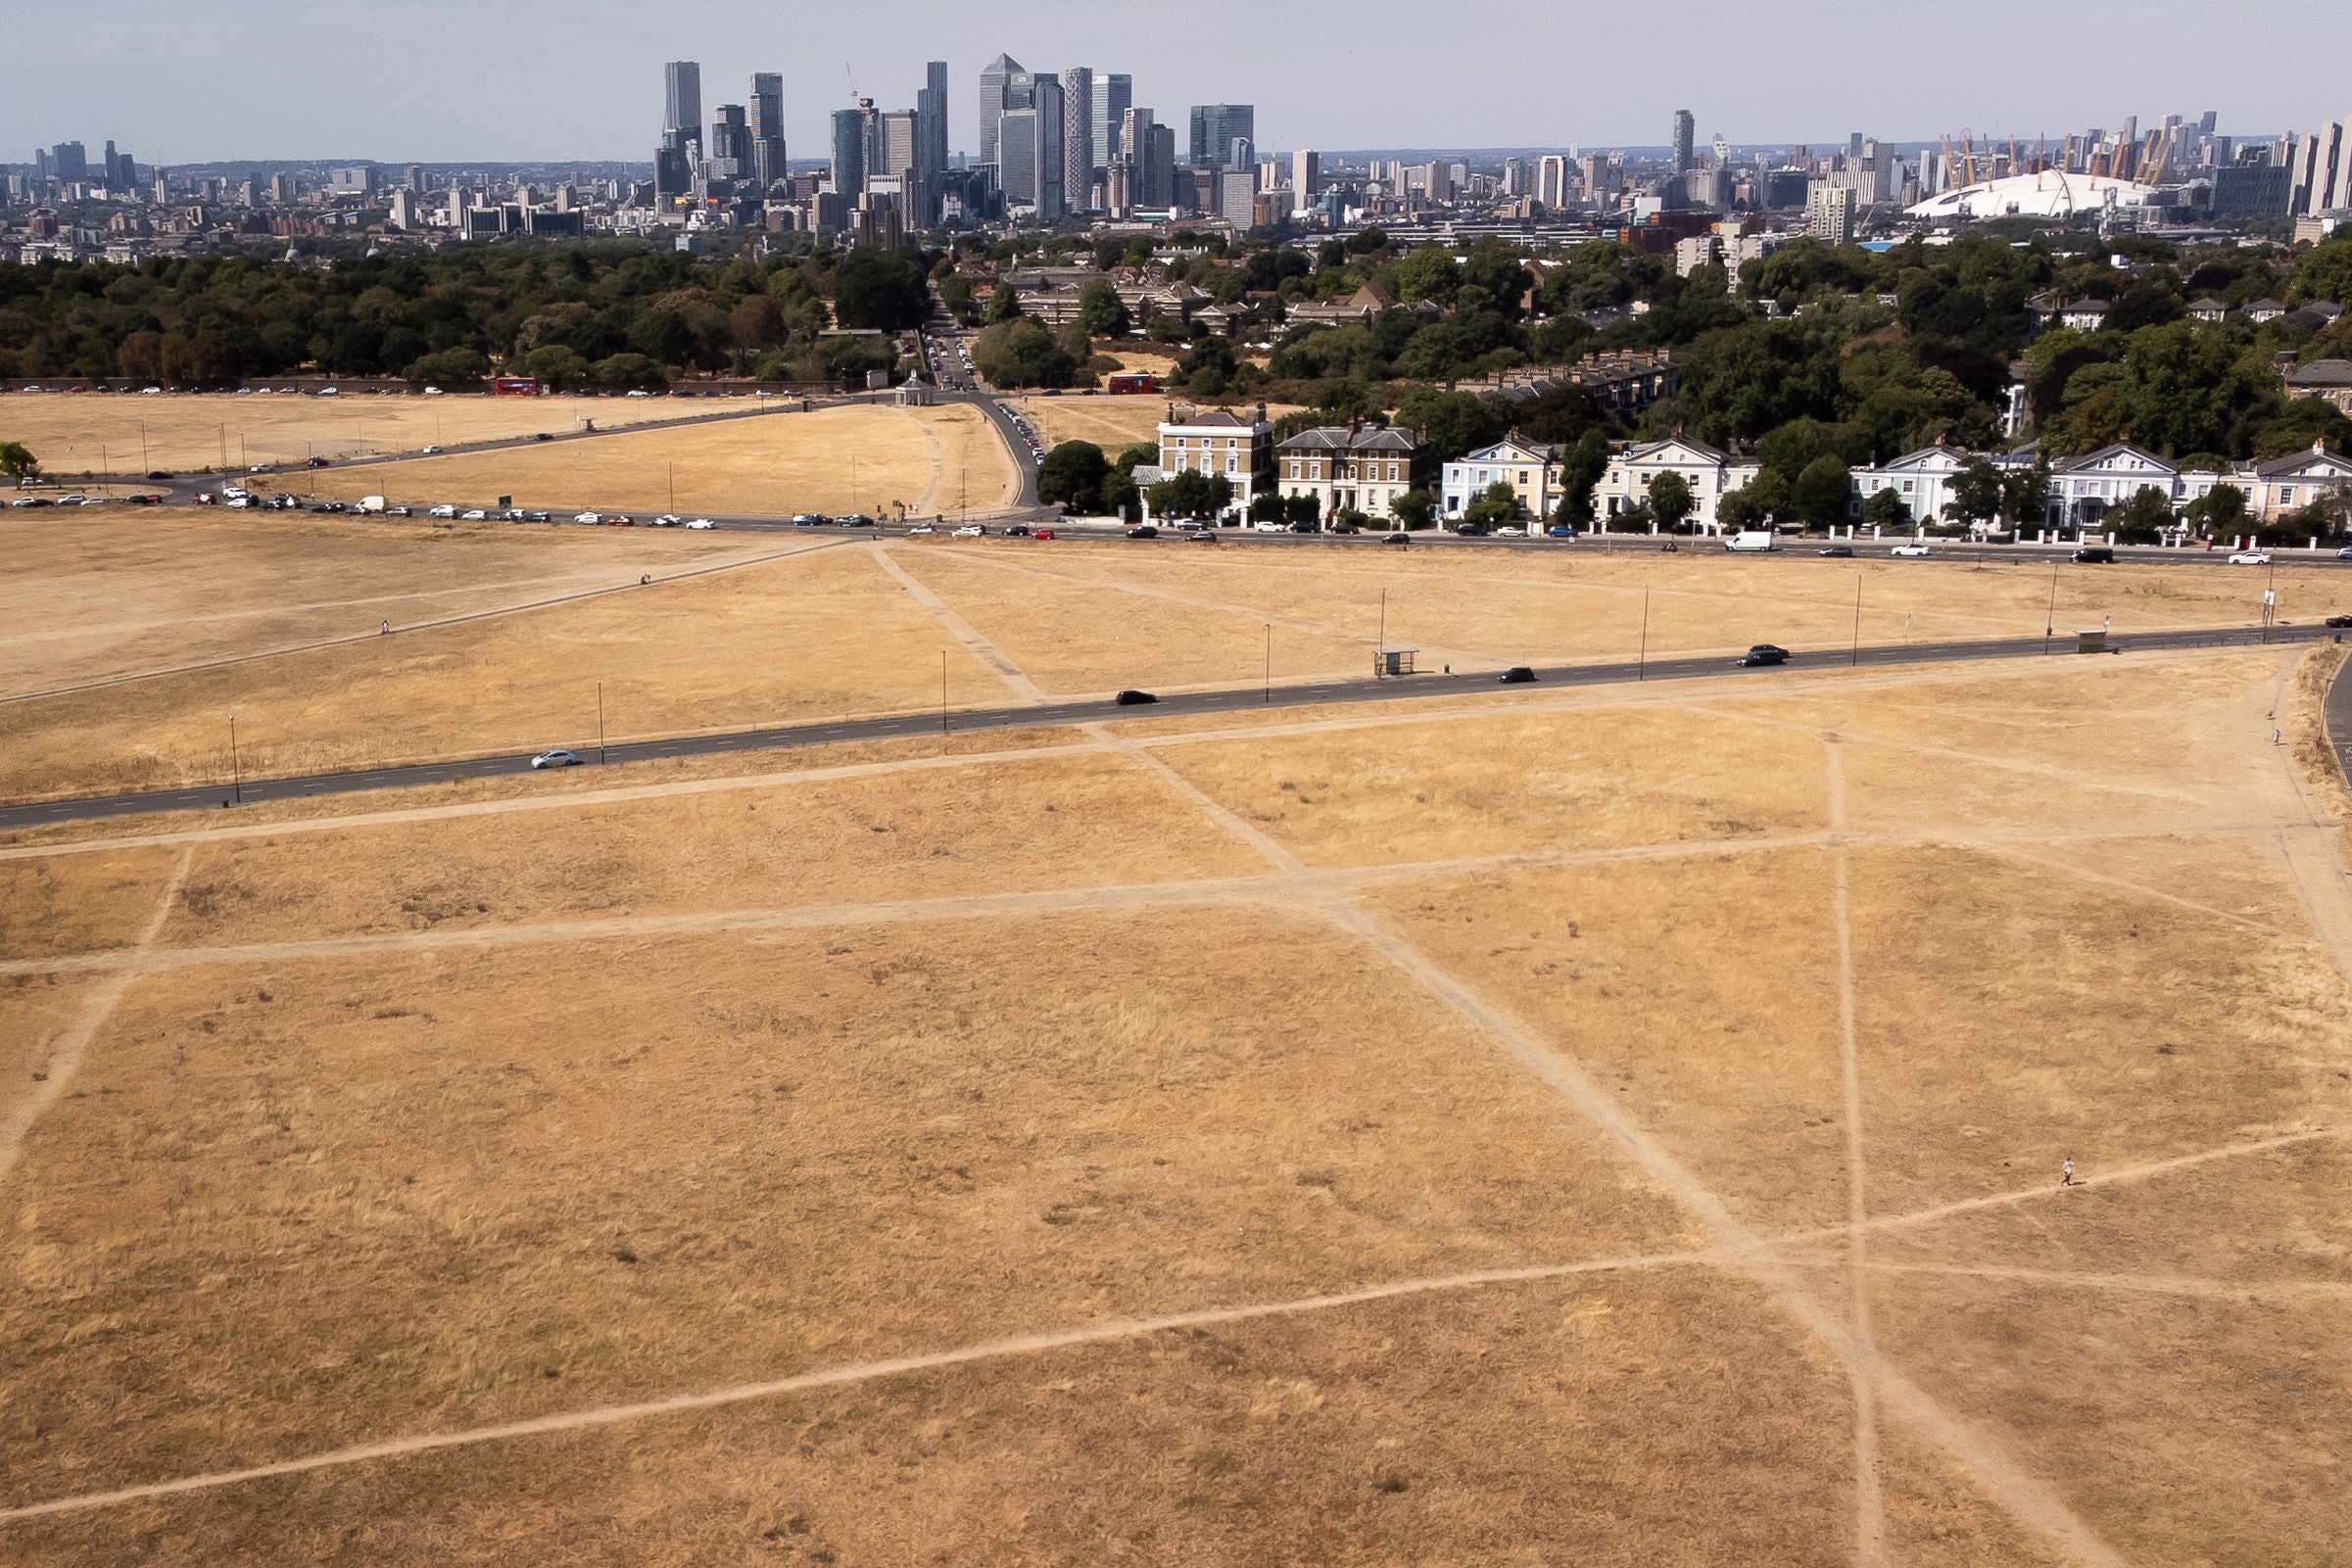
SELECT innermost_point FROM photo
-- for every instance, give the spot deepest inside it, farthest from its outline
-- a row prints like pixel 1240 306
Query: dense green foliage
pixel 1072 476
pixel 452 315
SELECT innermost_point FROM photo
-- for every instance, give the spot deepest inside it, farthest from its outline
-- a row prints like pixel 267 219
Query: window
pixel 1392 471
pixel 2286 496
pixel 1232 464
pixel 1232 443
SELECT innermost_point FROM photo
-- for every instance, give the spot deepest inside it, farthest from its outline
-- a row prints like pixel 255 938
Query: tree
pixel 622 372
pixel 2143 518
pixel 1498 503
pixel 457 367
pixel 1413 509
pixel 1191 493
pixel 1003 305
pixel 881 290
pixel 1102 312
pixel 2220 512
pixel 1071 474
pixel 1020 353
pixel 1823 494
pixel 1886 509
pixel 1671 500
pixel 1303 510
pixel 2026 493
pixel 17 461
pixel 557 366
pixel 1454 423
pixel 1430 274
pixel 1582 467
pixel 1977 493
pixel 1267 507
pixel 1737 511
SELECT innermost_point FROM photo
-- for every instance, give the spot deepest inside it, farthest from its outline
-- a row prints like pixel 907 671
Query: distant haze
pixel 177 81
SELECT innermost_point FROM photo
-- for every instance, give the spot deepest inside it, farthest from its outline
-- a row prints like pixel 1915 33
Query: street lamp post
pixel 1270 662
pixel 1856 657
pixel 2051 628
pixel 1380 653
pixel 943 690
pixel 1641 668
pixel 236 775
pixel 600 724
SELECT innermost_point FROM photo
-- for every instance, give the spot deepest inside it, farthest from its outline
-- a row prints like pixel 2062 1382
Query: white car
pixel 667 520
pixel 76 498
pixel 1269 528
pixel 588 517
pixel 641 393
pixel 1511 533
pixel 1912 551
pixel 329 391
pixel 475 516
pixel 557 758
pixel 432 451
pixel 969 531
pixel 701 522
pixel 922 528
pixel 442 511
pixel 432 392
pixel 2250 558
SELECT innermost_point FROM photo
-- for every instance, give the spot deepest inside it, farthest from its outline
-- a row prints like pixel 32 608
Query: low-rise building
pixel 1532 469
pixel 1710 474
pixel 1238 447
pixel 1922 479
pixel 2290 483
pixel 2330 380
pixel 1361 468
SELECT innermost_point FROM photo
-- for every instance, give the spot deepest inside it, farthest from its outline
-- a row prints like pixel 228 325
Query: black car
pixel 159 474
pixel 1764 653
pixel 1305 528
pixel 1839 552
pixel 1018 531
pixel 1345 527
pixel 1144 531
pixel 1517 675
pixel 1398 538
pixel 2095 555
pixel 543 436
pixel 2339 620
pixel 1133 699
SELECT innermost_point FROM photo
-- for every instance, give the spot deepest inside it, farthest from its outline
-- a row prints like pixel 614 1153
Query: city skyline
pixel 144 80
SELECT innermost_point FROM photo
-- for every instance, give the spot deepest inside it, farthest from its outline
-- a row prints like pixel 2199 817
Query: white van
pixel 371 503
pixel 1750 540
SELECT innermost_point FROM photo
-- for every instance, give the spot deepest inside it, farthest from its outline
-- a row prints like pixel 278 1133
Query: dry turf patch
pixel 1521 784
pixel 293 1206
pixel 2010 1016
pixel 78 903
pixel 859 458
pixel 822 634
pixel 2185 1430
pixel 1662 1417
pixel 1021 826
pixel 125 592
pixel 130 435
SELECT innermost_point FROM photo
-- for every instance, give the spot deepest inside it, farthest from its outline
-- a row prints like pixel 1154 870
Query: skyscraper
pixel 683 107
pixel 930 116
pixel 1551 180
pixel 1306 175
pixel 1004 85
pixel 849 138
pixel 1686 137
pixel 1215 129
pixel 1053 198
pixel 1017 157
pixel 1114 96
pixel 1077 139
pixel 730 143
pixel 767 126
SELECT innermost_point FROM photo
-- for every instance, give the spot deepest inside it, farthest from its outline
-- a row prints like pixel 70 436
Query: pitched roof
pixel 2322 373
pixel 1700 451
pixel 1515 451
pixel 2296 465
pixel 2107 455
pixel 1339 438
pixel 2208 305
pixel 1921 457
pixel 2274 306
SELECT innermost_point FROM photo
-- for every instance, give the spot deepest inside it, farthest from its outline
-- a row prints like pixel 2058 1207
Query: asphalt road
pixel 1327 694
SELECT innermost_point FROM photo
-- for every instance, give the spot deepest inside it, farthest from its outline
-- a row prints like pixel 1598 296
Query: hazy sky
pixel 447 80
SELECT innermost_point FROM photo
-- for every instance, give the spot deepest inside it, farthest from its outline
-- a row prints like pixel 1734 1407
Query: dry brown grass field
pixel 759 646
pixel 1112 423
pixel 1616 1126
pixel 129 435
pixel 101 596
pixel 865 457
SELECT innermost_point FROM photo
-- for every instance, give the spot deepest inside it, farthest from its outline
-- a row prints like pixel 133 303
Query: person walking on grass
pixel 2066 1172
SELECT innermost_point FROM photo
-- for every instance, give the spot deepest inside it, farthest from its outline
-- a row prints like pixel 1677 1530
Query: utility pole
pixel 144 465
pixel 2051 628
pixel 1641 668
pixel 1269 663
pixel 600 724
pixel 942 691
pixel 1856 659
pixel 1380 654
pixel 236 775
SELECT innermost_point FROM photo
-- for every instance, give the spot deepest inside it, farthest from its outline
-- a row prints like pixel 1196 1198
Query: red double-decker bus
pixel 515 387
